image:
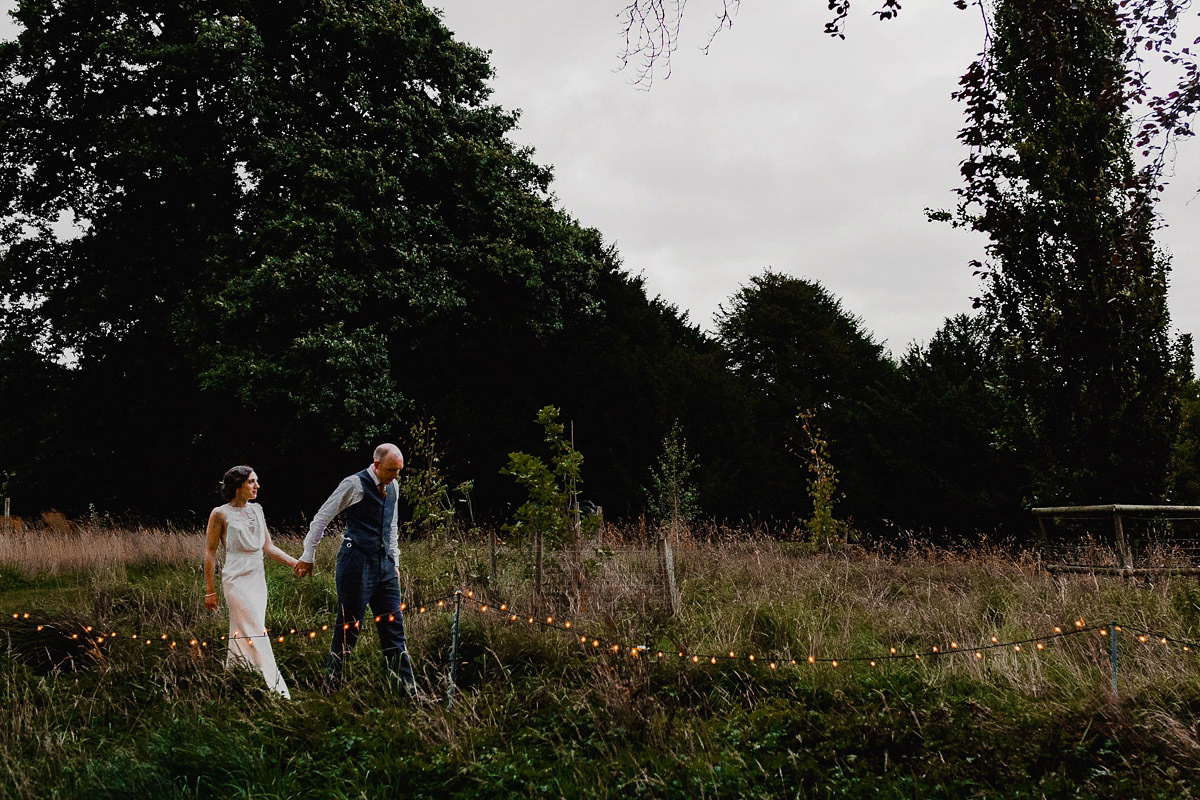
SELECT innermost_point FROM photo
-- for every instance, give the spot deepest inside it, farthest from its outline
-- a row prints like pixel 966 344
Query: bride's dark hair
pixel 233 479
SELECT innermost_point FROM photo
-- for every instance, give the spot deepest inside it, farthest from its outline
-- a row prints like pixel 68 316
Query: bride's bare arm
pixel 271 549
pixel 213 536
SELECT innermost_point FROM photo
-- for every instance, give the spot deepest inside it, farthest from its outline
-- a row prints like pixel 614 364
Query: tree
pixel 795 346
pixel 672 494
pixel 953 467
pixel 275 207
pixel 1074 285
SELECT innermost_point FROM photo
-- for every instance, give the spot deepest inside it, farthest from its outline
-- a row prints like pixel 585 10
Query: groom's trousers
pixel 364 578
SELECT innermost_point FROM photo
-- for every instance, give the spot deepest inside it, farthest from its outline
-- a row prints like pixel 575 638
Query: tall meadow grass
pixel 537 713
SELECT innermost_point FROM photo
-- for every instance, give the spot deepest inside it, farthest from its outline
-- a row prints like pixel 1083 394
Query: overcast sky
pixel 782 148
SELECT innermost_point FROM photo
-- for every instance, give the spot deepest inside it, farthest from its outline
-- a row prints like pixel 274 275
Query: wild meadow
pixel 536 712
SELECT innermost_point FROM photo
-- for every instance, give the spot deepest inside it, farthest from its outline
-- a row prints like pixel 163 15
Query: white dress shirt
pixel 347 493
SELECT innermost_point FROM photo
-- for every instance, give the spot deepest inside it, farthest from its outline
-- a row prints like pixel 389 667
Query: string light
pixel 635 651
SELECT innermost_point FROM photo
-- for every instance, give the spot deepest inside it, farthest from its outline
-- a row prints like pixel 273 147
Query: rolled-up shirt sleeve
pixel 348 492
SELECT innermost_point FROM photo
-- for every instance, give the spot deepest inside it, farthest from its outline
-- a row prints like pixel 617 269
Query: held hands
pixel 302 569
pixel 210 601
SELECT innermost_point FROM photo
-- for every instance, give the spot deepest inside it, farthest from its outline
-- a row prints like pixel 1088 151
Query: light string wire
pixel 598 644
pixel 636 651
pixel 97 636
pixel 1146 636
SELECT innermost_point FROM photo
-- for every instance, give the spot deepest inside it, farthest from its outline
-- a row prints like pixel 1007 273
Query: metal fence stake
pixel 454 647
pixel 1112 634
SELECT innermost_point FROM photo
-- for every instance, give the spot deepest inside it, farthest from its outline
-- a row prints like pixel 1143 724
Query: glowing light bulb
pixel 872 663
pixel 812 660
pixel 772 665
pixel 893 651
pixel 549 620
pixel 1041 646
pixel 567 624
pixel 483 609
pixel 504 606
pixel 835 663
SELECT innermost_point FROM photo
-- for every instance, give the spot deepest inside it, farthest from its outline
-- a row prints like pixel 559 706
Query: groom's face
pixel 389 468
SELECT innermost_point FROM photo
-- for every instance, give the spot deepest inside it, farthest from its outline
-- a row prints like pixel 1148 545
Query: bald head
pixel 388 462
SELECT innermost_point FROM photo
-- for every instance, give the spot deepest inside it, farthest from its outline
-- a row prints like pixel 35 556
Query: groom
pixel 366 565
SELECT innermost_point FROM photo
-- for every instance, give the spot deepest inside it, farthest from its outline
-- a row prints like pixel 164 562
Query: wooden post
pixel 666 561
pixel 537 572
pixel 1124 553
pixel 492 552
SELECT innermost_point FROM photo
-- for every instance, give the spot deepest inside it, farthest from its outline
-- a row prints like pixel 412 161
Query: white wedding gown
pixel 245 585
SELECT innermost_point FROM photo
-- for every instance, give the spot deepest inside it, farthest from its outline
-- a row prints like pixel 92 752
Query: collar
pixel 374 474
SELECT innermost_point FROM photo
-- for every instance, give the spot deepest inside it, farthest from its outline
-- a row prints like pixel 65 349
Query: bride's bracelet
pixel 210 594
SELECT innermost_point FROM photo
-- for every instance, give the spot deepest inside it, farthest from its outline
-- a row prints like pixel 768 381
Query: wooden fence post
pixel 492 552
pixel 537 572
pixel 1124 553
pixel 666 561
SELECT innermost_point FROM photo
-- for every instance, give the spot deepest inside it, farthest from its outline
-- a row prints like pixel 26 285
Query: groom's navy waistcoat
pixel 369 521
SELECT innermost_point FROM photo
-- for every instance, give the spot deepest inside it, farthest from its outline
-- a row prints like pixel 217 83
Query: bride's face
pixel 248 490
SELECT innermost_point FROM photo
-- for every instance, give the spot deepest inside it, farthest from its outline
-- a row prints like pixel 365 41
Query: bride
pixel 240 526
